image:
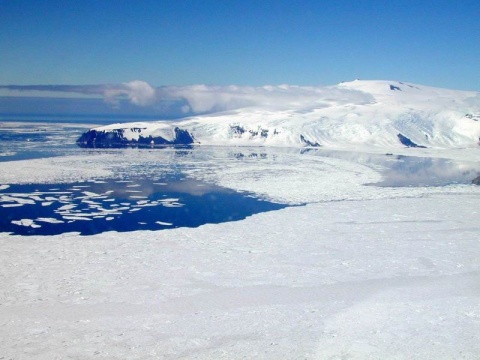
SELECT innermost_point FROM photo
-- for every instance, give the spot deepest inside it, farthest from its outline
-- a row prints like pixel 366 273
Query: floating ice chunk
pixel 26 222
pixel 173 204
pixel 69 217
pixel 3 187
pixel 47 203
pixel 133 185
pixel 35 197
pixel 96 207
pixel 163 223
pixel 50 220
pixel 109 218
pixel 90 202
pixel 8 153
pixel 17 199
pixel 110 212
pixel 11 205
pixel 91 194
pixel 138 197
pixel 169 200
pixel 67 207
pixel 145 205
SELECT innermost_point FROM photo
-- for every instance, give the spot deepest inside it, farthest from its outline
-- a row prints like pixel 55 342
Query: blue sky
pixel 240 42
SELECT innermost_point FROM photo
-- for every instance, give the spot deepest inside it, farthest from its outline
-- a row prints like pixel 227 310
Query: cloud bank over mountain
pixel 189 100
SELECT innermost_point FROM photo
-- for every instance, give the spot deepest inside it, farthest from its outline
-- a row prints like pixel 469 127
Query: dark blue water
pixel 116 205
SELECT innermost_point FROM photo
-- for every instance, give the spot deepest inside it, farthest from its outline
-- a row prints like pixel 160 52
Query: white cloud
pixel 138 92
pixel 207 99
pixel 198 99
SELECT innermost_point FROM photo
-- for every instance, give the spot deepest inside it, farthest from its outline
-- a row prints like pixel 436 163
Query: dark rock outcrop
pixel 238 130
pixel 409 143
pixel 476 181
pixel 308 142
pixel 115 139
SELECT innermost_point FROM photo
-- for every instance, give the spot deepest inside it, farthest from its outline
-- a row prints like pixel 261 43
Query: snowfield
pixel 351 270
pixel 366 279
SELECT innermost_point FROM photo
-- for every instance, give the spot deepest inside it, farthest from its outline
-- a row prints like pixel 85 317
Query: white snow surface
pixel 132 131
pixel 358 113
pixel 366 279
pixel 354 271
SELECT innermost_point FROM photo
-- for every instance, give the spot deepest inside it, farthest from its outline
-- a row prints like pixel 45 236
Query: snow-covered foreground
pixel 358 272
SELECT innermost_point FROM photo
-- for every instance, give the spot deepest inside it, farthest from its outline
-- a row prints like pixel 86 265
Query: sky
pixel 244 43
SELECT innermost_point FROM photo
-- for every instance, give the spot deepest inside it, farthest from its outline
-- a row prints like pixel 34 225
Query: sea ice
pixel 26 222
pixel 67 207
pixel 49 220
pixel 355 271
pixel 11 205
pixel 163 223
pixel 75 218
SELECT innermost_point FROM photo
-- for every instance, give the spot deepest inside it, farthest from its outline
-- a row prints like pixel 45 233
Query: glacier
pixel 361 113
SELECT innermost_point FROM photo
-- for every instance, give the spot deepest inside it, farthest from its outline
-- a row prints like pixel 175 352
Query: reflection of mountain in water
pixel 402 170
pixel 413 171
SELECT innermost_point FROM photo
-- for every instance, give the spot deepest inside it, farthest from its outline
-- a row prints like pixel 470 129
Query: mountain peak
pixel 373 113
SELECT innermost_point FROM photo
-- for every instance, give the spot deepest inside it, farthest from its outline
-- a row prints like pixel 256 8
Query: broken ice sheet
pixel 26 222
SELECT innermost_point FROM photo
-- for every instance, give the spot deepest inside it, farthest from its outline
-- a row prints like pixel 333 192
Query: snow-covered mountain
pixel 387 114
